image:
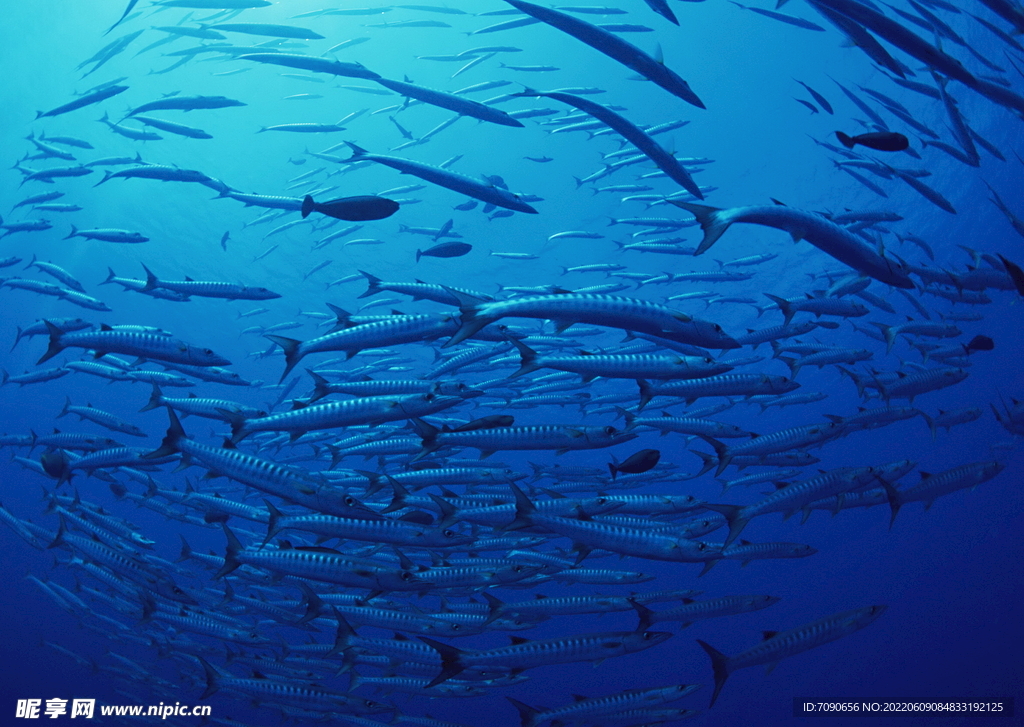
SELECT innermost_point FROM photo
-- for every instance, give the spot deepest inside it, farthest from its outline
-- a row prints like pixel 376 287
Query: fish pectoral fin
pixel 769 668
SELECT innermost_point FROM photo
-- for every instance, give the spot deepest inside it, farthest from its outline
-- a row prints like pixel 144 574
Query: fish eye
pixel 449 534
pixel 207 351
pixel 350 501
pixel 702 546
pixel 406 575
pixel 648 635
pixel 718 328
pixel 609 430
pixel 602 501
pixel 456 627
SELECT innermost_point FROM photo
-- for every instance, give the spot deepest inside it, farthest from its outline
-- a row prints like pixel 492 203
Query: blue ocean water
pixel 950 576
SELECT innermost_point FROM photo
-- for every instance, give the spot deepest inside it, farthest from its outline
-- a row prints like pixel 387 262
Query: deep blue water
pixel 950 576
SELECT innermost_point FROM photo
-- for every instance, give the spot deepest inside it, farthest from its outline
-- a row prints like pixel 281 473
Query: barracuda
pixel 388 332
pixel 824 234
pixel 289 483
pixel 144 345
pixel 597 708
pixel 779 645
pixel 614 47
pixel 524 654
pixel 621 366
pixel 682 425
pixel 606 310
pixel 721 385
pixel 932 486
pixel 103 419
pixel 382 530
pixel 333 414
pixel 794 497
pixel 202 407
pixel 321 564
pixel 558 437
pixel 587 535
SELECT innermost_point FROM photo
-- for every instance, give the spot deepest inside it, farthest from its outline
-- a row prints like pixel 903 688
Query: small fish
pixel 445 249
pixel 877 140
pixel 352 209
pixel 636 464
pixel 980 343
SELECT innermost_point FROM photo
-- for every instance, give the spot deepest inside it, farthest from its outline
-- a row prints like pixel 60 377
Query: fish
pixel 445 249
pixel 778 645
pixel 83 101
pixel 614 47
pixel 823 234
pixel 352 209
pixel 877 140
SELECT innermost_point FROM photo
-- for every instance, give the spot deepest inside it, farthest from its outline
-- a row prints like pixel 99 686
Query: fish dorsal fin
pixel 539 597
pixel 400 637
pixel 579 698
pixel 688 601
pixel 189 279
pixel 516 640
pixel 925 475
pixel 777 202
pixel 765 635
pixel 192 395
pixel 258 674
pixel 744 542
pixel 105 327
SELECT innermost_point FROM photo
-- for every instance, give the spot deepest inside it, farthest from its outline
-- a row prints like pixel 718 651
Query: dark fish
pixel 352 209
pixel 877 140
pixel 637 463
pixel 445 249
pixel 981 343
pixel 539 160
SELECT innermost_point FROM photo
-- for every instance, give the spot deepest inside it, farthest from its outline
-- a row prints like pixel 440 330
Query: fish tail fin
pixel 58 538
pixel 151 280
pixel 470 321
pixel 895 501
pixel 527 358
pixel 107 174
pixel 230 554
pixel 784 305
pixel 154 399
pixel 307 206
pixel 846 140
pixel 74 231
pixel 524 510
pixel 720 666
pixel 527 714
pixel 398 499
pixel 724 456
pixel 794 365
pixel 930 422
pixel 110 276
pixel 629 416
pixel 67 403
pixel 646 394
pixel 273 517
pixel 372 283
pixel 711 220
pixel 237 422
pixel 292 354
pixel 889 332
pixel 212 678
pixel 580 183
pixel 55 346
pixel 171 440
pixel 321 387
pixel 732 517
pixel 358 152
pixel 451 661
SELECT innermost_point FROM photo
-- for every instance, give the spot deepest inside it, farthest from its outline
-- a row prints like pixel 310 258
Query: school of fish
pixel 366 557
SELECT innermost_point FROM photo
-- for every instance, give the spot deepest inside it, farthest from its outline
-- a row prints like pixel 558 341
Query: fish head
pixel 205 357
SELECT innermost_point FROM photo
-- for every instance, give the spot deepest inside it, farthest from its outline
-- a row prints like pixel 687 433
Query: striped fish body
pixel 721 385
pixel 934 486
pixel 712 608
pixel 778 646
pixel 559 437
pixel 909 386
pixel 143 345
